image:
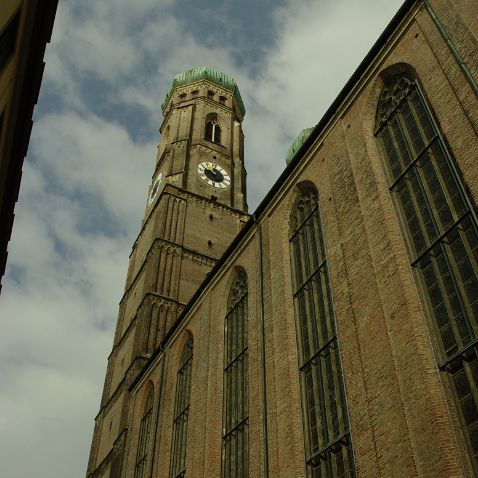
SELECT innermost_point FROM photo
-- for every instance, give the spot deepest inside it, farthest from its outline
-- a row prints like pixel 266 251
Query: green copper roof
pixel 298 142
pixel 206 73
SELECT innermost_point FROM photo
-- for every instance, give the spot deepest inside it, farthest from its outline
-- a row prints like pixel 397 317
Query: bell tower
pixel 202 143
pixel 196 205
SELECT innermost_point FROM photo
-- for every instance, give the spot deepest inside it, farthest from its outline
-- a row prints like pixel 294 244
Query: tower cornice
pixel 172 102
pixel 205 73
pixel 181 194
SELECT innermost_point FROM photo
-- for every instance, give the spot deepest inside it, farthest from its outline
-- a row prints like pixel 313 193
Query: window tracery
pixel 235 460
pixel 181 413
pixel 326 429
pixel 441 230
pixel 143 442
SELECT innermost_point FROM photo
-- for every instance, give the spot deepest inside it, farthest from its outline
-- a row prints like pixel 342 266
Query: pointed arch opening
pixel 235 456
pixel 440 228
pixel 181 411
pixel 213 130
pixel 326 430
pixel 144 435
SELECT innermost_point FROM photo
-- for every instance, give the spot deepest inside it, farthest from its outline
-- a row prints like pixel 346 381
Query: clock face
pixel 214 175
pixel 155 188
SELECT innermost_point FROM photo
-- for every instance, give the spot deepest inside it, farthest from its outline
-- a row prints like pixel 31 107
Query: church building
pixel 332 332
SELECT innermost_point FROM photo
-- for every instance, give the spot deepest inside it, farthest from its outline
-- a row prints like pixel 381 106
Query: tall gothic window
pixel 144 432
pixel 326 429
pixel 441 230
pixel 213 131
pixel 180 426
pixel 235 422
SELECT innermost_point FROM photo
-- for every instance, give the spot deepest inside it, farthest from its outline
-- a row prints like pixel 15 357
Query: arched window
pixel 235 421
pixel 142 454
pixel 326 429
pixel 440 227
pixel 181 413
pixel 213 131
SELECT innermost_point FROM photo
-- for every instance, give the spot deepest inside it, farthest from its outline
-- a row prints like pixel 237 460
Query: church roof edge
pixel 298 142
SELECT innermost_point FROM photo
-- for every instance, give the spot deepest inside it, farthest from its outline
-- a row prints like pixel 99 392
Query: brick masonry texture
pixel 403 421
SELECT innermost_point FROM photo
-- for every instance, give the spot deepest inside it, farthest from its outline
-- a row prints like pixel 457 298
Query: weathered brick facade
pixel 403 418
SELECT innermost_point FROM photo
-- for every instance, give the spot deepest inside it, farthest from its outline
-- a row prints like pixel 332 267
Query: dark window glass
pixel 7 40
pixel 181 414
pixel 142 454
pixel 213 132
pixel 328 445
pixel 441 230
pixel 235 421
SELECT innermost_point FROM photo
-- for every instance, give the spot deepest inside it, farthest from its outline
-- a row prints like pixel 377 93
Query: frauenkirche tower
pixel 333 333
pixel 196 205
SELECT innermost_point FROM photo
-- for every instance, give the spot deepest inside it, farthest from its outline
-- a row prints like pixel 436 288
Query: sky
pixel 90 161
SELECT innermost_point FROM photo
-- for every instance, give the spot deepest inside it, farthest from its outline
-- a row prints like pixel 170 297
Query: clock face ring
pixel 214 175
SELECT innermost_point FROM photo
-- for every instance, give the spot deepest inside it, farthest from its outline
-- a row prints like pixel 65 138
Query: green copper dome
pixel 298 142
pixel 206 73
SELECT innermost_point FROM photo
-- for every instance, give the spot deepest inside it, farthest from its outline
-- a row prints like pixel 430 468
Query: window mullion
pixel 459 297
pixel 439 239
pixel 416 172
pixel 472 380
pixel 304 283
pixel 412 163
pixel 180 423
pixel 315 333
pixel 301 220
pixel 324 404
pixel 473 260
pixel 451 163
pixel 464 299
pixel 411 195
pixel 437 206
pixel 311 312
pixel 234 458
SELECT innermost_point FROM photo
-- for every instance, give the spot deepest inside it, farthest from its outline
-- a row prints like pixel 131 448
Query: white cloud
pixel 60 297
pixel 87 155
pixel 319 47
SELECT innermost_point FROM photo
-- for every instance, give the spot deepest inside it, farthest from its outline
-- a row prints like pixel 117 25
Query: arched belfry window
pixel 235 458
pixel 213 131
pixel 440 227
pixel 181 412
pixel 143 442
pixel 326 430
